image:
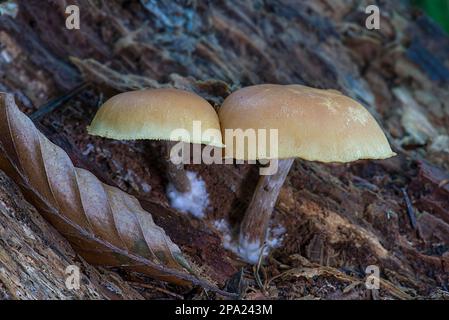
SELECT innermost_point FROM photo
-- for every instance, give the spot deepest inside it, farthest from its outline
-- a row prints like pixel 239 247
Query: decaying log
pixel 34 257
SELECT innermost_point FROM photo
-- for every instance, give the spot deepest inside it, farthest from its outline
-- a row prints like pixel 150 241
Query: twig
pixel 256 272
pixel 443 183
pixel 57 102
pixel 149 286
pixel 410 211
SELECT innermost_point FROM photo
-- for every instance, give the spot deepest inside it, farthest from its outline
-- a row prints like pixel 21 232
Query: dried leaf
pixel 105 225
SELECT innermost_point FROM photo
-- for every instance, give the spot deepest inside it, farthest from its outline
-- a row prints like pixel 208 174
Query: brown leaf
pixel 105 225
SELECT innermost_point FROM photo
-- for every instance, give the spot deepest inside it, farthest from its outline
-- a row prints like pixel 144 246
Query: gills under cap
pixel 313 124
pixel 154 113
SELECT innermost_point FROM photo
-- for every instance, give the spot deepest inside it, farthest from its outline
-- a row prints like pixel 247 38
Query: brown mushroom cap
pixel 154 114
pixel 313 124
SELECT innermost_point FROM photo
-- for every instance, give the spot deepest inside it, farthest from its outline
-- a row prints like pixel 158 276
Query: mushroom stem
pixel 254 226
pixel 175 172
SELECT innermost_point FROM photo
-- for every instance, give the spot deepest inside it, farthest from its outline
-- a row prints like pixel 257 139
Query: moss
pixel 438 10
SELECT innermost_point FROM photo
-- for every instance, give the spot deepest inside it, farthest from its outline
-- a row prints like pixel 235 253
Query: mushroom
pixel 312 124
pixel 169 115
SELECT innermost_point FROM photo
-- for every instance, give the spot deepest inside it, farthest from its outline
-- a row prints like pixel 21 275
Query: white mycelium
pixel 195 201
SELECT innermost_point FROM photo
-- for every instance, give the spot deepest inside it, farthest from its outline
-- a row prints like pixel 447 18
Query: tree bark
pixel 254 226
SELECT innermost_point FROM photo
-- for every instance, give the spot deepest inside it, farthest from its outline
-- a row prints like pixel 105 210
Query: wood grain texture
pixel 34 257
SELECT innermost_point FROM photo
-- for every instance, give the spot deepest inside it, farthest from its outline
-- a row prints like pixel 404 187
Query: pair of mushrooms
pixel 313 124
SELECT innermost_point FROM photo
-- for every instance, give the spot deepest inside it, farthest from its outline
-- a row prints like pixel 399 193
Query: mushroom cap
pixel 154 113
pixel 313 124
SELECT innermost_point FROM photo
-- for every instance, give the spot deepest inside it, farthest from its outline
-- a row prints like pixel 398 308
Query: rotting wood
pixel 34 257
